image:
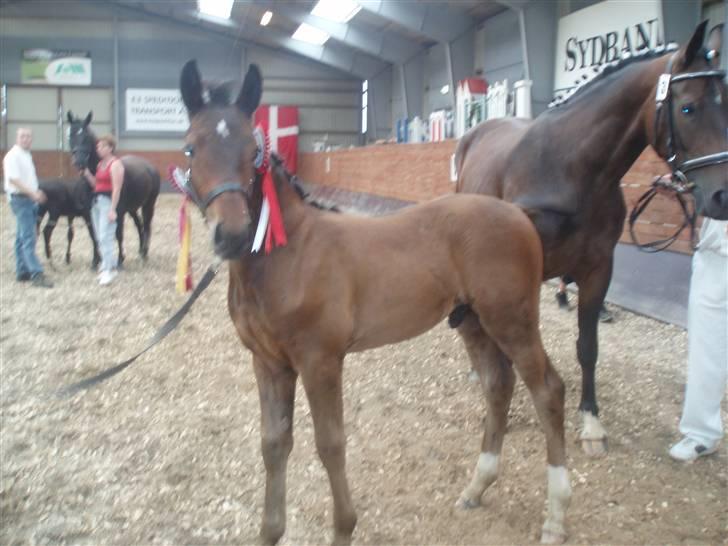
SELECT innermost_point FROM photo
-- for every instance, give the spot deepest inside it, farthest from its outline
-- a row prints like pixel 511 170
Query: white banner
pixel 602 33
pixel 155 110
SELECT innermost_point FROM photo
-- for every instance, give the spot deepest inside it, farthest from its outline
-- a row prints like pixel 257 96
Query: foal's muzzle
pixel 230 245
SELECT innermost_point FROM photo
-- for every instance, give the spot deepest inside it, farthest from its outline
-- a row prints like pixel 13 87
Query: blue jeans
pixel 105 231
pixel 26 212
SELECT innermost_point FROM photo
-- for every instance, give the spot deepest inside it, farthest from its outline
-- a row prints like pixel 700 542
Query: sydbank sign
pixel 603 33
pixel 56 67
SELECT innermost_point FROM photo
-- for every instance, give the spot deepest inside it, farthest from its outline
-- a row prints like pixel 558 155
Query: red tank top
pixel 103 179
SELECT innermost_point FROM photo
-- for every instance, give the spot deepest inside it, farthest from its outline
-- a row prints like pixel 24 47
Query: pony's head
pixel 81 140
pixel 692 126
pixel 221 149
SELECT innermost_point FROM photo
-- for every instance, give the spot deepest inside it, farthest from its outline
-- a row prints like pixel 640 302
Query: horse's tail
pixel 148 208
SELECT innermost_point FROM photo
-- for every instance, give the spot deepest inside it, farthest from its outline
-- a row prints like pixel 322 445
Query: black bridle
pixel 678 182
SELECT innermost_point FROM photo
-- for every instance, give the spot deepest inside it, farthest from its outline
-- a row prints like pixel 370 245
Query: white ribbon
pixel 262 226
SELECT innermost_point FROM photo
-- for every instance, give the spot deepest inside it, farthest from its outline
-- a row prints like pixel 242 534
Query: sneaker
pixel 106 277
pixel 605 315
pixel 563 300
pixel 41 281
pixel 687 450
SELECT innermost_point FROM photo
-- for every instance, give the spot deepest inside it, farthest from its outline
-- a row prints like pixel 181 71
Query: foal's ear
pixel 714 44
pixel 88 119
pixel 695 44
pixel 190 85
pixel 69 115
pixel 249 97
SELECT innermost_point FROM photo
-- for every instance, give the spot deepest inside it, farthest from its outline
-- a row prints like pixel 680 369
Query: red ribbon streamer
pixel 276 234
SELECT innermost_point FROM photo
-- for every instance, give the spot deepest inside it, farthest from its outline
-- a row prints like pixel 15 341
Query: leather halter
pixel 679 169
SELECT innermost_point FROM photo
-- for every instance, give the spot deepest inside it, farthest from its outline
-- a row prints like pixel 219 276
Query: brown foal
pixel 346 283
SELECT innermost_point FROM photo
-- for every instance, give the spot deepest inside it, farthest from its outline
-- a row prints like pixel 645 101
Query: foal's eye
pixel 189 150
pixel 688 109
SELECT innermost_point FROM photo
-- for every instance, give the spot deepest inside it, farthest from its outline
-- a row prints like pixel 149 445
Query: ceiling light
pixel 267 16
pixel 311 35
pixel 340 11
pixel 445 89
pixel 216 8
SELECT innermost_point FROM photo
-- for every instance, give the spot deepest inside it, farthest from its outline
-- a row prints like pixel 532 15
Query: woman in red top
pixel 107 187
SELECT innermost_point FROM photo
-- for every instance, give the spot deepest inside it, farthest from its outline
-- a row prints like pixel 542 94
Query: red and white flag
pixel 280 123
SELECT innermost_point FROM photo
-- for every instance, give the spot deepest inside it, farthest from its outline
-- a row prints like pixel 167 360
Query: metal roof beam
pixel 381 44
pixel 434 21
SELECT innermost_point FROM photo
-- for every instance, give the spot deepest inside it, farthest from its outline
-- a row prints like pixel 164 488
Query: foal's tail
pixel 148 208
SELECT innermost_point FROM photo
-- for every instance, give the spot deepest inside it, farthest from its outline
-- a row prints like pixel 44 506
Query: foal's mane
pixel 603 71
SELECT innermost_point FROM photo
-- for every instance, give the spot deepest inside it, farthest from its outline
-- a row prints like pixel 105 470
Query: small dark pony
pixel 70 198
pixel 346 283
pixel 140 188
pixel 564 169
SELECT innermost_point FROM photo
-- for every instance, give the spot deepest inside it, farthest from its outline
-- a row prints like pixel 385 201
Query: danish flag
pixel 280 123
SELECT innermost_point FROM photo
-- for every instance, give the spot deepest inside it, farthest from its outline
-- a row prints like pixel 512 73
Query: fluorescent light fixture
pixel 216 8
pixel 267 16
pixel 312 35
pixel 445 89
pixel 340 11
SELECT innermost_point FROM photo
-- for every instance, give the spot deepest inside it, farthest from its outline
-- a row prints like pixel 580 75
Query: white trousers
pixel 707 348
pixel 105 231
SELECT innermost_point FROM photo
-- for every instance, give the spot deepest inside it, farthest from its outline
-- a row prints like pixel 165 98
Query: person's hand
pixel 112 215
pixel 39 196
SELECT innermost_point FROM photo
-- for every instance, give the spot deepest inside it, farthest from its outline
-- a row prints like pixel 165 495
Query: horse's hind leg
pixel 140 230
pixel 592 291
pixel 120 238
pixel 147 215
pixel 522 343
pixel 277 390
pixel 47 233
pixel 322 381
pixel 497 378
pixel 69 238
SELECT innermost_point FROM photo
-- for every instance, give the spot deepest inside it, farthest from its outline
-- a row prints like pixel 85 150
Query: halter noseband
pixel 679 169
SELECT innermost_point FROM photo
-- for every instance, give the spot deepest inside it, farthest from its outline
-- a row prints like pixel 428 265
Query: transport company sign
pixel 155 110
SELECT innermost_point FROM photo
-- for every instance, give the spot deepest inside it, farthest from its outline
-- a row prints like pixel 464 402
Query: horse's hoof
pixel 341 540
pixel 594 448
pixel 467 504
pixel 551 537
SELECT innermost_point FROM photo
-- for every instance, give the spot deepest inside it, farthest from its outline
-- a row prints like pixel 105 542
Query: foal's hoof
pixel 594 448
pixel 464 503
pixel 551 537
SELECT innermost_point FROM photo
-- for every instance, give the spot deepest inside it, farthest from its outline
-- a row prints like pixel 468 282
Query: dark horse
pixel 564 168
pixel 346 283
pixel 71 198
pixel 140 188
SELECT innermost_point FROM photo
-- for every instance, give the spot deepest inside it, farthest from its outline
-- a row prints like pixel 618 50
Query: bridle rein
pixel 678 181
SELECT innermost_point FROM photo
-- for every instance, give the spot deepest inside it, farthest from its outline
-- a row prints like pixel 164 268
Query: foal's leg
pixel 497 378
pixel 277 390
pixel 96 260
pixel 547 392
pixel 47 233
pixel 120 238
pixel 592 291
pixel 69 237
pixel 322 381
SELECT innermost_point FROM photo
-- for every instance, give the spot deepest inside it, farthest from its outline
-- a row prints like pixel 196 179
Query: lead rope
pixel 166 328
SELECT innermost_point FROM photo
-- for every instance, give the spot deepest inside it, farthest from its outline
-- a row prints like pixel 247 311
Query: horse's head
pixel 81 140
pixel 692 127
pixel 221 149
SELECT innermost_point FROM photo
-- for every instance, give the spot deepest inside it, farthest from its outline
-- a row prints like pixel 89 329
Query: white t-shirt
pixel 714 236
pixel 18 164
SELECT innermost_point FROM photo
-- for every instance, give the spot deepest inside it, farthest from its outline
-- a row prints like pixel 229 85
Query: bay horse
pixel 564 169
pixel 345 283
pixel 70 198
pixel 139 190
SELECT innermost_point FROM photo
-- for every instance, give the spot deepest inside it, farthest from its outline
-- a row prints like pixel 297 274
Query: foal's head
pixel 81 140
pixel 221 149
pixel 695 122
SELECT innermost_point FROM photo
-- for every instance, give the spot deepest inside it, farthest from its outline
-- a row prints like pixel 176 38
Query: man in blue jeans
pixel 21 187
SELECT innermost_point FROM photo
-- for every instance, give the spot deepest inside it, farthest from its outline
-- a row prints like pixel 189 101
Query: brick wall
pixel 418 172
